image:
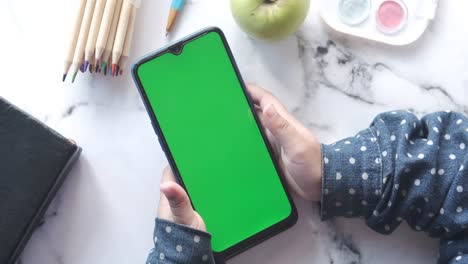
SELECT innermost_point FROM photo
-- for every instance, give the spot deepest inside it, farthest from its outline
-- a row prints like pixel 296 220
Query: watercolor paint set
pixel 395 22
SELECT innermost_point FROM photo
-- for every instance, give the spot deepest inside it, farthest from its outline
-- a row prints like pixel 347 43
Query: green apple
pixel 269 19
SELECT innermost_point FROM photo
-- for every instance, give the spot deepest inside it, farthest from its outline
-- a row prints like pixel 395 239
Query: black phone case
pixel 34 161
pixel 175 48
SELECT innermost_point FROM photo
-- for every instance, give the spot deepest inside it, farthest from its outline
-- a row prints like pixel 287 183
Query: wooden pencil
pixel 128 41
pixel 119 40
pixel 92 69
pixel 104 30
pixel 73 39
pixel 105 62
pixel 93 32
pixel 176 7
pixel 82 38
pixel 111 37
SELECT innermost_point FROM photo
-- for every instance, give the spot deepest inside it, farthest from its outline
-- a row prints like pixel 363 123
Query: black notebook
pixel 34 161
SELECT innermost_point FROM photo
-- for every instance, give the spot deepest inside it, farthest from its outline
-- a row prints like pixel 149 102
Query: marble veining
pixel 335 84
pixel 69 111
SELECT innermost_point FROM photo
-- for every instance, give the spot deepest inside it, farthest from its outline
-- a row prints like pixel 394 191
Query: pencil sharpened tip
pixel 167 33
pixel 104 67
pixel 114 69
pixel 74 76
pixel 64 77
pixel 85 67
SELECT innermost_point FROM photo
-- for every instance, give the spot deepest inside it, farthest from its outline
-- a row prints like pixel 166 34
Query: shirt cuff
pixel 174 243
pixel 351 176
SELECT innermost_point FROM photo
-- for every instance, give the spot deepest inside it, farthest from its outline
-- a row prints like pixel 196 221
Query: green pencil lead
pixel 74 76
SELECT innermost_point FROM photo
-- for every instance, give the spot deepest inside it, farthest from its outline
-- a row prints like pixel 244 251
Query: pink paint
pixel 391 16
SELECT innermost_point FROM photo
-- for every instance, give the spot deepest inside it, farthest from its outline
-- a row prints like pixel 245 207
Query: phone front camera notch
pixel 177 49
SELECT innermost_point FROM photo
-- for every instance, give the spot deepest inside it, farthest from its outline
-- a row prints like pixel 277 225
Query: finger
pixel 167 175
pixel 256 93
pixel 282 129
pixel 179 203
pixel 164 211
pixel 273 142
pixel 261 117
pixel 262 98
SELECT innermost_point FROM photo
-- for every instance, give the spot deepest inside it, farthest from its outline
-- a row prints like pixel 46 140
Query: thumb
pixel 179 203
pixel 281 128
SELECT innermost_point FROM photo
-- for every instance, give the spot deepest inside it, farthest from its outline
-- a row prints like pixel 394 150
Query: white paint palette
pixel 395 22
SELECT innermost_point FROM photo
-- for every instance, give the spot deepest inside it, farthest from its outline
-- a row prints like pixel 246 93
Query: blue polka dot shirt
pixel 399 169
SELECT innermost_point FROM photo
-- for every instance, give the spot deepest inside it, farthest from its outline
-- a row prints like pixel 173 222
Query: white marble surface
pixel 334 83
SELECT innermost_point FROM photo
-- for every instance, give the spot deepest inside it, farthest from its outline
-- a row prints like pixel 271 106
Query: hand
pixel 174 204
pixel 298 151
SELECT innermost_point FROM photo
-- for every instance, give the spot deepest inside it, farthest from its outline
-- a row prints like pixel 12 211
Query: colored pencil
pixel 102 37
pixel 92 69
pixel 128 41
pixel 105 64
pixel 111 37
pixel 93 32
pixel 104 30
pixel 82 38
pixel 105 61
pixel 73 39
pixel 176 7
pixel 119 40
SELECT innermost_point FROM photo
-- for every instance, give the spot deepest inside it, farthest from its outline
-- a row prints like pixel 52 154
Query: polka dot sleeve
pixel 179 244
pixel 352 176
pixel 402 168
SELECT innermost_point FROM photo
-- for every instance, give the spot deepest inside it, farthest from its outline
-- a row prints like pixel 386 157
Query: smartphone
pixel 212 138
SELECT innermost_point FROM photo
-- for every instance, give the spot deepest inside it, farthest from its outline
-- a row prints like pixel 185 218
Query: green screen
pixel 215 141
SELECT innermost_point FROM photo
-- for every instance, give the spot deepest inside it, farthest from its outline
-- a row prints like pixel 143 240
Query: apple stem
pixel 270 1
